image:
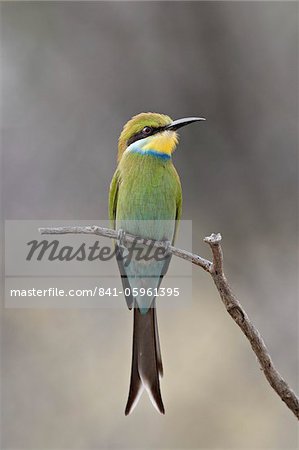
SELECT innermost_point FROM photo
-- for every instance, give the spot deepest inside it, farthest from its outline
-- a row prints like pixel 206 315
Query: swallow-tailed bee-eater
pixel 146 200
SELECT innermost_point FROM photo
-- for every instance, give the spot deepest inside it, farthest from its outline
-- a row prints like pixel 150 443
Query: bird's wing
pixel 113 197
pixel 179 201
pixel 178 214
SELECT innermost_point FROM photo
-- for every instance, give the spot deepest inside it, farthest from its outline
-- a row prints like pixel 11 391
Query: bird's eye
pixel 147 130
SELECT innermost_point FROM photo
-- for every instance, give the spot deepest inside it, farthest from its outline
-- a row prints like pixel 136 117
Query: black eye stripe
pixel 141 135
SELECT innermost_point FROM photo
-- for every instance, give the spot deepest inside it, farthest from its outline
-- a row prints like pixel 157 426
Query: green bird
pixel 145 199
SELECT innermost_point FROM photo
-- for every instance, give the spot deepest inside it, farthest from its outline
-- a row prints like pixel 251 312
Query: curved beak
pixel 176 124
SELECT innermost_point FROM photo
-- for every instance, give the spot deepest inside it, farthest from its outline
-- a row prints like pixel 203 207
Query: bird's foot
pixel 167 245
pixel 121 239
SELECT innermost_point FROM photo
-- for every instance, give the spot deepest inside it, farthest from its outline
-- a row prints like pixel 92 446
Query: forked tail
pixel 146 360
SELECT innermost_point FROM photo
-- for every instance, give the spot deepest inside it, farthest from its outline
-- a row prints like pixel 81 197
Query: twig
pixel 229 300
pixel 129 238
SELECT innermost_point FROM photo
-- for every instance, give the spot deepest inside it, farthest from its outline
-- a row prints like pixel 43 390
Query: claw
pixel 167 245
pixel 121 239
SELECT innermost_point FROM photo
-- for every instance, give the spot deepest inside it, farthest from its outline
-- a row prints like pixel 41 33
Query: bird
pixel 145 199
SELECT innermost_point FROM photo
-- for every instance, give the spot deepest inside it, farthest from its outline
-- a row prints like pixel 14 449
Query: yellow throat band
pixel 165 142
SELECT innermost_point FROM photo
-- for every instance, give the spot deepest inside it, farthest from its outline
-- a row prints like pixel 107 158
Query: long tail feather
pixel 146 360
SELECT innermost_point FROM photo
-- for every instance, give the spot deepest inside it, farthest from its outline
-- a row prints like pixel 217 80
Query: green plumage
pixel 145 200
pixel 145 188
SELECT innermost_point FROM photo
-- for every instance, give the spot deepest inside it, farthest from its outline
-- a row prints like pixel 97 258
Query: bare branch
pixel 238 314
pixel 229 300
pixel 129 238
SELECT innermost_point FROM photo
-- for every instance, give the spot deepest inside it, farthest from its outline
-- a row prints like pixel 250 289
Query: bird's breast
pixel 147 193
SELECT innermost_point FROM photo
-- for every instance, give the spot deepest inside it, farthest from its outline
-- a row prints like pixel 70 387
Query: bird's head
pixel 152 132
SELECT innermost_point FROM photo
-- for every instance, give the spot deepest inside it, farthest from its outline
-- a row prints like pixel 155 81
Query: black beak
pixel 176 124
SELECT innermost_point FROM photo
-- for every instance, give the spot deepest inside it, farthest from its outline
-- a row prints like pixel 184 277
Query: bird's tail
pixel 146 360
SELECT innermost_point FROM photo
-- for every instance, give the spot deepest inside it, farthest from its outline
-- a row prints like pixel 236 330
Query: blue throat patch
pixel 160 155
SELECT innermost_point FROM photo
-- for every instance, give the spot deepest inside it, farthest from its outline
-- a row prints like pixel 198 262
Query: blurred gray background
pixel 73 74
